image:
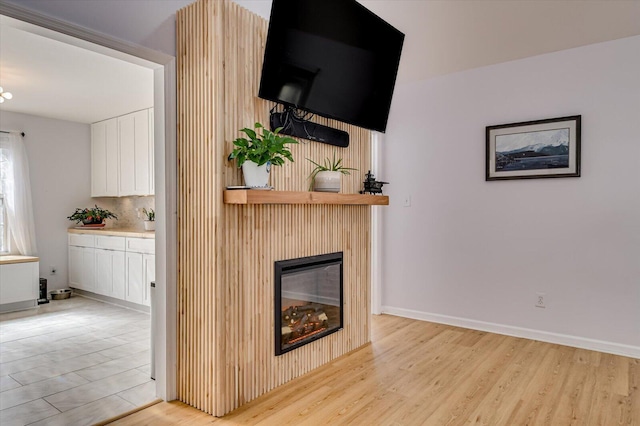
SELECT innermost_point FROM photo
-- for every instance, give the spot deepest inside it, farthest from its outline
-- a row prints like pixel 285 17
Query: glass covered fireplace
pixel 308 300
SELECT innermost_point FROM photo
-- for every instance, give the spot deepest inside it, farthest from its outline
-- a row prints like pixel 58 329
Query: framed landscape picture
pixel 534 149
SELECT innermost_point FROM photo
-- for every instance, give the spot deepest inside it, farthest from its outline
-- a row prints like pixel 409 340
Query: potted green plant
pixel 257 153
pixel 150 221
pixel 92 217
pixel 326 177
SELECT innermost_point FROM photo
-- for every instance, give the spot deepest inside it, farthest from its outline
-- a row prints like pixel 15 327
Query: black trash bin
pixel 43 292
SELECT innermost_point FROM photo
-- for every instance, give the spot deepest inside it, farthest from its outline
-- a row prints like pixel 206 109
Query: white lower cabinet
pixel 110 273
pixel 82 268
pixel 140 272
pixel 135 279
pixel 19 283
pixel 75 263
pixel 149 265
pixel 118 267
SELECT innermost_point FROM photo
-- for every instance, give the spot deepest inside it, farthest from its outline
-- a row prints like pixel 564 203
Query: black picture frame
pixel 537 149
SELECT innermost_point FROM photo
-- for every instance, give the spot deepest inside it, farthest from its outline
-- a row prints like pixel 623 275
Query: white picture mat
pixel 493 133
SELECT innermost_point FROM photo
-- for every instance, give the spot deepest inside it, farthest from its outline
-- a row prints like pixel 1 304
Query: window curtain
pixel 17 189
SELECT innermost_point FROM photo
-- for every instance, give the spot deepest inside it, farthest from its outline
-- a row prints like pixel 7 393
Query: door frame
pixel 164 71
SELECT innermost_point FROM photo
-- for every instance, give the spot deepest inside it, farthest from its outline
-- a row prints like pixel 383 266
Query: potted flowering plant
pixel 91 216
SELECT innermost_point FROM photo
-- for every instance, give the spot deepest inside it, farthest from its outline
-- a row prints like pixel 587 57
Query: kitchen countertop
pixel 7 259
pixel 118 232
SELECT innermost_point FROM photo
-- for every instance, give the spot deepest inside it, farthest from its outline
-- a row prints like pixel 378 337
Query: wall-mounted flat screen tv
pixel 333 58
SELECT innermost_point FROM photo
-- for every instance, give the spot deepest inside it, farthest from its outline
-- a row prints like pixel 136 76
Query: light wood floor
pixel 420 373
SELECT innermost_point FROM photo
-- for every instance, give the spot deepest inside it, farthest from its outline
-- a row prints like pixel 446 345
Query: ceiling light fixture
pixel 4 95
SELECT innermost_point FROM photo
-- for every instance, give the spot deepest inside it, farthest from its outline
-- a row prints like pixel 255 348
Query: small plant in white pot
pixel 326 177
pixel 150 221
pixel 257 153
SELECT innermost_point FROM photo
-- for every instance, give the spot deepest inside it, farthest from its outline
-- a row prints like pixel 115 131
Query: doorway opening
pixel 163 68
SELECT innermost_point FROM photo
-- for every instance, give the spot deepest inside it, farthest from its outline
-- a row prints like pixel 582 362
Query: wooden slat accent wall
pixel 199 78
pixel 226 253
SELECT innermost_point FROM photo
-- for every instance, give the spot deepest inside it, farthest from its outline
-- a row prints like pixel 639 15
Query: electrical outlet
pixel 138 213
pixel 52 270
pixel 406 201
pixel 541 300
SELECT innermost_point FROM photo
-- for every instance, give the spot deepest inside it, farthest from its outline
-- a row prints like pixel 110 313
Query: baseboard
pixel 111 301
pixel 527 333
pixel 18 306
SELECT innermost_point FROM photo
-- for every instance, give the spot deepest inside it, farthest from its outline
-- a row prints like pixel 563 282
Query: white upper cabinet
pixel 122 155
pixel 136 143
pixel 152 182
pixel 104 158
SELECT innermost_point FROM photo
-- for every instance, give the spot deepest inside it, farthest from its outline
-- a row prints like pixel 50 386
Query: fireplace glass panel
pixel 308 300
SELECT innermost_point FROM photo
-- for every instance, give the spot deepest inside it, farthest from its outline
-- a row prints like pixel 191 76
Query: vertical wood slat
pixel 226 252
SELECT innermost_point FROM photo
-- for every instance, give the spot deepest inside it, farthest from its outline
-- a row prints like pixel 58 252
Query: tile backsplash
pixel 125 209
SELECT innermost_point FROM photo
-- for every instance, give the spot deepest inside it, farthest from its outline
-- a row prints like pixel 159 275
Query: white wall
pixel 60 171
pixel 474 253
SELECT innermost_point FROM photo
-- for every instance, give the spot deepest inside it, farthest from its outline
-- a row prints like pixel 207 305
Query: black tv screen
pixel 333 58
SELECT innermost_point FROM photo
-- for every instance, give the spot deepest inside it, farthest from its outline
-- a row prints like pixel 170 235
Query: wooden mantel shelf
pixel 248 196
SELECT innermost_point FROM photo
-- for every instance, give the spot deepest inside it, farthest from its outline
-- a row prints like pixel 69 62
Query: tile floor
pixel 73 362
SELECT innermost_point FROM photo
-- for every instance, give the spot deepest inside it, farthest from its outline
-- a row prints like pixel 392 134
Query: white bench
pixel 19 282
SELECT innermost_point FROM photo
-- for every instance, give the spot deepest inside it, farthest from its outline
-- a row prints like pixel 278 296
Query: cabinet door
pixel 110 273
pixel 149 266
pixel 88 269
pixel 118 288
pixel 135 148
pixel 152 168
pixel 19 282
pixel 75 267
pixel 143 151
pixel 104 272
pixel 82 268
pixel 135 278
pixel 104 158
pixel 126 134
pixel 152 159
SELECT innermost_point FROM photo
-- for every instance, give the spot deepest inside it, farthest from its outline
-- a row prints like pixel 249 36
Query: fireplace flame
pixel 307 335
pixel 302 321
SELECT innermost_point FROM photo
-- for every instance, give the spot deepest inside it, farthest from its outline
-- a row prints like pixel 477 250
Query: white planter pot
pixel 327 182
pixel 256 176
pixel 149 225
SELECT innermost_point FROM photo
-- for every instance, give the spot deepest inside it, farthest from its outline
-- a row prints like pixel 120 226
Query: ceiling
pixel 442 37
pixel 53 79
pixel 446 36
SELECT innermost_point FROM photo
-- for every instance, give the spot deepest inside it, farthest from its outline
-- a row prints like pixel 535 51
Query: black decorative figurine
pixel 371 185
